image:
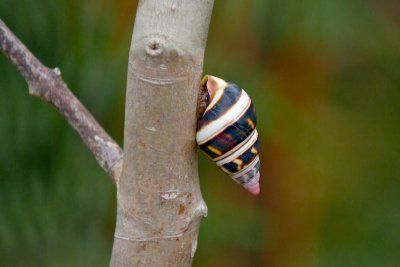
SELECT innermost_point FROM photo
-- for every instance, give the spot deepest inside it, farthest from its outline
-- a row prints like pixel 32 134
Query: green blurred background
pixel 325 78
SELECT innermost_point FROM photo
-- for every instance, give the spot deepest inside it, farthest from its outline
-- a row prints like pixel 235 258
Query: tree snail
pixel 227 132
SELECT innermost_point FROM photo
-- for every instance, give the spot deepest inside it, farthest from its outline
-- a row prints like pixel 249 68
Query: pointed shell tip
pixel 255 190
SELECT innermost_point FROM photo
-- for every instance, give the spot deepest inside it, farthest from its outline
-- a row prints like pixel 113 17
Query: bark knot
pixel 155 46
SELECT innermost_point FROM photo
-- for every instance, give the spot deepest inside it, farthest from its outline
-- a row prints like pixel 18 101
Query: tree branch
pixel 47 84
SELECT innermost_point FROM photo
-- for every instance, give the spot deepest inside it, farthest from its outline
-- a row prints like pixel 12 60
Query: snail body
pixel 227 132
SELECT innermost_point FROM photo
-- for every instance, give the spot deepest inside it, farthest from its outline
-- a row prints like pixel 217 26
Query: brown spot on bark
pixel 141 248
pixel 141 143
pixel 182 209
pixel 159 232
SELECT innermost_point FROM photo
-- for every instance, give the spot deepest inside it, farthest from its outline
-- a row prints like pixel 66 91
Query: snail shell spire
pixel 227 132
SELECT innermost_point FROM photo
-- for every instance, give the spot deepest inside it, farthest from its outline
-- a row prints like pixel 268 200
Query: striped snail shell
pixel 227 132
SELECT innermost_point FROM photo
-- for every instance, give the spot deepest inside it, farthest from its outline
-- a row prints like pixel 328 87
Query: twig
pixel 47 84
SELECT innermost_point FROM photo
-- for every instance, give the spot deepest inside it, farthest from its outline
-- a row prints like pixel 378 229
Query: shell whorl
pixel 227 132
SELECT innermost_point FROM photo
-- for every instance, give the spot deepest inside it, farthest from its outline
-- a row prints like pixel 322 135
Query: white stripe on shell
pixel 217 96
pixel 236 147
pixel 221 85
pixel 245 169
pixel 239 149
pixel 216 126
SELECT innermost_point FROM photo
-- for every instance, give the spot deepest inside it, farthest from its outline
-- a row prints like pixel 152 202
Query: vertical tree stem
pixel 159 199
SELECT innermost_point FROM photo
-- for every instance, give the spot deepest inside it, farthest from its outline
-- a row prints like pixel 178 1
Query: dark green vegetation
pixel 325 79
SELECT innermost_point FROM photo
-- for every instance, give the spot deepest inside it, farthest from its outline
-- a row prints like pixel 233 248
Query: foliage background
pixel 325 78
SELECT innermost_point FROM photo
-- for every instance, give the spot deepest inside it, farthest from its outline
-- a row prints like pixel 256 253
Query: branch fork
pixel 158 193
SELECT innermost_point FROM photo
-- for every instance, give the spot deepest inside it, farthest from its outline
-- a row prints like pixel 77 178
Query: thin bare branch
pixel 48 85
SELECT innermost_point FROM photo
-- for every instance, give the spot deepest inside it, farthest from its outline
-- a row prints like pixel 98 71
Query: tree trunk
pixel 159 199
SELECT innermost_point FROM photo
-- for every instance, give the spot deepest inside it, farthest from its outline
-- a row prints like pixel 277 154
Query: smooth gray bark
pixel 159 199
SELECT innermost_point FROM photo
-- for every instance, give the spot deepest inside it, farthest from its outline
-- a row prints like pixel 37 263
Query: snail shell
pixel 227 132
